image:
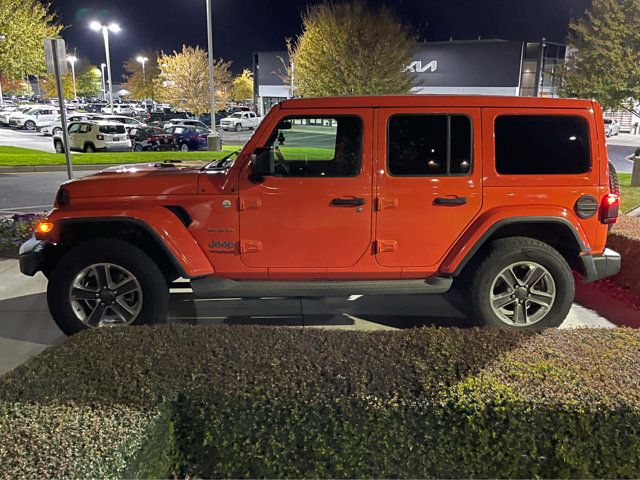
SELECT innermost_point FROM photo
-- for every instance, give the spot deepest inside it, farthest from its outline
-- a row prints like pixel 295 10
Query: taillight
pixel 609 208
pixel 100 137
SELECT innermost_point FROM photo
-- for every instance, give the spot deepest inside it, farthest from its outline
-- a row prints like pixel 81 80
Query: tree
pixel 142 86
pixel 242 86
pixel 604 54
pixel 15 87
pixel 88 82
pixel 349 49
pixel 24 24
pixel 184 80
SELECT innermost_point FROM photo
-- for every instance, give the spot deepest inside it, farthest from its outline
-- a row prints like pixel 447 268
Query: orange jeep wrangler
pixel 499 198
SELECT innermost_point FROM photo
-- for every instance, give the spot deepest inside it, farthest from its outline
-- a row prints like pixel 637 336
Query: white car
pixel 93 136
pixel 611 127
pixel 29 119
pixel 184 121
pixel 5 117
pixel 54 127
pixel 240 120
pixel 5 112
pixel 130 122
pixel 118 109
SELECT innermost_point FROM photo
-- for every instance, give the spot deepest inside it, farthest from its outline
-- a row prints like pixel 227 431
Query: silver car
pixel 611 127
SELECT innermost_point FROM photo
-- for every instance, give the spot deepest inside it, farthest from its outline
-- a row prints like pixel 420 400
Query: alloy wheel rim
pixel 105 294
pixel 522 294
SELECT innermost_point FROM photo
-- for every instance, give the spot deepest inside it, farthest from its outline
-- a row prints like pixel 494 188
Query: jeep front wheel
pixel 522 284
pixel 103 283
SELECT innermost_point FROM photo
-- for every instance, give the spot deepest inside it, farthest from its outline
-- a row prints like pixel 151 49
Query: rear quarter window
pixel 542 145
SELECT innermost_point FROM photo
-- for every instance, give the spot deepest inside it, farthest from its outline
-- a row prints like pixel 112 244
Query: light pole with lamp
pixel 2 39
pixel 72 59
pixel 104 82
pixel 143 60
pixel 115 28
pixel 212 138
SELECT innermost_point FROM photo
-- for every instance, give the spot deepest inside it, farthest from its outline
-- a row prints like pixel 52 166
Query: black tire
pixel 30 125
pixel 614 183
pixel 138 148
pixel 155 291
pixel 506 252
pixel 184 147
pixel 238 127
pixel 59 146
pixel 56 131
pixel 89 148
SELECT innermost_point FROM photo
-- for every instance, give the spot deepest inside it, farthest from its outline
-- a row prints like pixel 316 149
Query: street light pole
pixel 72 60
pixel 2 39
pixel 104 84
pixel 115 28
pixel 143 60
pixel 212 139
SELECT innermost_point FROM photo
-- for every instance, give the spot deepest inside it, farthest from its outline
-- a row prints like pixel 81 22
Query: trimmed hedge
pixel 278 402
pixel 625 239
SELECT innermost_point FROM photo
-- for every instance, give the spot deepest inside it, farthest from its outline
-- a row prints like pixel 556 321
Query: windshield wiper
pixel 222 163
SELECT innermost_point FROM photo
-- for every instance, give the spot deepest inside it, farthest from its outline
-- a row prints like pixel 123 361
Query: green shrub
pixel 276 402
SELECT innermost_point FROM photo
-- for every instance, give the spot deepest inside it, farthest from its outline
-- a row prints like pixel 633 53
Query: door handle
pixel 348 202
pixel 450 202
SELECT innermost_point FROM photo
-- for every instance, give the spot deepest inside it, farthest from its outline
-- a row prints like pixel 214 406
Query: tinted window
pixel 429 145
pixel 537 144
pixel 318 147
pixel 112 129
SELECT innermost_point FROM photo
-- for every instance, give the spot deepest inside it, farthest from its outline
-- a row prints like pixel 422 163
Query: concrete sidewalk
pixel 26 328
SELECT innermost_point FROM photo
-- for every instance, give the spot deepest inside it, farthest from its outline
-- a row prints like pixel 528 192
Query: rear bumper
pixel 32 256
pixel 597 267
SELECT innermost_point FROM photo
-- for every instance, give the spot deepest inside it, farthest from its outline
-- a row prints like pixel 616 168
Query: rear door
pixel 429 182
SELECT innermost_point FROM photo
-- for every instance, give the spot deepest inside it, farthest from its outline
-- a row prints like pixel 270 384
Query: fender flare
pixel 160 223
pixel 461 254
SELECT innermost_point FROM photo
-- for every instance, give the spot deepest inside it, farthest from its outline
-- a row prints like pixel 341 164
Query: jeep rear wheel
pixel 104 283
pixel 522 284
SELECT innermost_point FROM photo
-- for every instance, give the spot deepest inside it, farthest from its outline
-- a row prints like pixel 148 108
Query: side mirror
pixel 263 163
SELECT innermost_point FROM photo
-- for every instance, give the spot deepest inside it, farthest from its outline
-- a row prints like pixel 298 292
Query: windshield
pixel 223 163
pixel 111 129
pixel 33 111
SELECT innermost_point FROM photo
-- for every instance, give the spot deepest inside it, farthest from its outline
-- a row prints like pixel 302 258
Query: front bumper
pixel 32 256
pixel 597 267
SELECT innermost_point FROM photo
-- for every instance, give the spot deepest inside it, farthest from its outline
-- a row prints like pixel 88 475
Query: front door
pixel 316 211
pixel 429 182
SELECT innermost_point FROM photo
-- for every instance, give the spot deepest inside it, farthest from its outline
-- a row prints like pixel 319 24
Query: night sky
pixel 246 26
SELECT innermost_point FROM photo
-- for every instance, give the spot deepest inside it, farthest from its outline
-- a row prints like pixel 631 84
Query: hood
pixel 150 179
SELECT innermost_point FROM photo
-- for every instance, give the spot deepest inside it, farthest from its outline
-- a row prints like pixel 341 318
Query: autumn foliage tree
pixel 351 49
pixel 604 54
pixel 242 86
pixel 88 82
pixel 183 80
pixel 24 24
pixel 142 85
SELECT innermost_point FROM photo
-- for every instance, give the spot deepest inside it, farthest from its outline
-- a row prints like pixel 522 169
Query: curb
pixel 54 168
pixel 635 212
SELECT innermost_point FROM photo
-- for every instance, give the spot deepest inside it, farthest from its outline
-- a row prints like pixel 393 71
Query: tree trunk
pixel 635 176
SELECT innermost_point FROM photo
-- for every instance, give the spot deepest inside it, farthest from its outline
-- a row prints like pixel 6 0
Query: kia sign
pixel 467 64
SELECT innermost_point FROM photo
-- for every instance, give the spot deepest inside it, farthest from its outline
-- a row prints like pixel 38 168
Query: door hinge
pixel 250 246
pixel 383 246
pixel 250 203
pixel 384 203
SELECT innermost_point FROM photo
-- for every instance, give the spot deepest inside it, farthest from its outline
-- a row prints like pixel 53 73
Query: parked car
pixel 5 112
pixel 95 136
pixel 118 109
pixel 54 127
pixel 130 122
pixel 151 138
pixel 611 127
pixel 240 120
pixel 187 137
pixel 494 199
pixel 5 118
pixel 181 121
pixel 206 119
pixel 29 119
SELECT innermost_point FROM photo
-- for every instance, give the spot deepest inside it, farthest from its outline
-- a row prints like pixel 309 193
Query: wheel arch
pixel 557 232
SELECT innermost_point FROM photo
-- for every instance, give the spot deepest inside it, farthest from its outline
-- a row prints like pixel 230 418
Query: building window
pixel 429 145
pixel 542 144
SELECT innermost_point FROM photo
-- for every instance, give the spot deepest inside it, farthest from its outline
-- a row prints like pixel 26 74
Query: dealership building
pixel 479 67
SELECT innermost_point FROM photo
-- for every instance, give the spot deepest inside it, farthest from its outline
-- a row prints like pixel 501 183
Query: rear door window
pixel 542 145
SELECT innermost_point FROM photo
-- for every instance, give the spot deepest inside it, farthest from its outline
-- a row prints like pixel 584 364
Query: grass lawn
pixel 630 195
pixel 15 156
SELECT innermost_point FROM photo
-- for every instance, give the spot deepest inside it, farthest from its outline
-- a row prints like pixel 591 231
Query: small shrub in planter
pixel 14 231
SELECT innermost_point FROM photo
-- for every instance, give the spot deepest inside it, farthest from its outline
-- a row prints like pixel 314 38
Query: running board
pixel 221 287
